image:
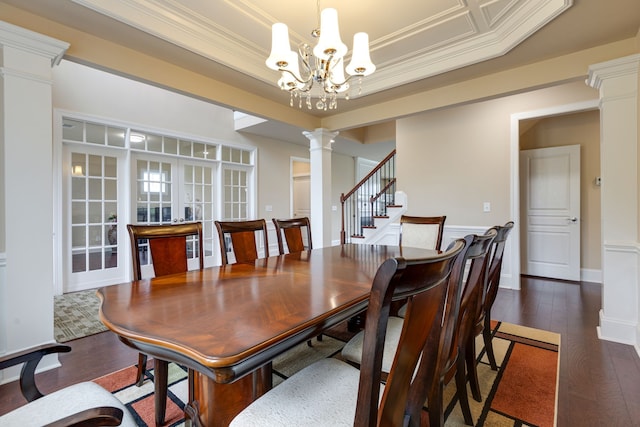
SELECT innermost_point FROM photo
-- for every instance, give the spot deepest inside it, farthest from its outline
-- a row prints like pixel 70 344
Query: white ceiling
pixel 407 43
pixel 415 44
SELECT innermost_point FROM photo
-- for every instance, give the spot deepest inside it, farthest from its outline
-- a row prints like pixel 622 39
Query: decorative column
pixel 26 201
pixel 617 82
pixel 320 153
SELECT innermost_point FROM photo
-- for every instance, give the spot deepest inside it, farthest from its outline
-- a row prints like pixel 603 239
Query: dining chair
pixel 332 392
pixel 169 249
pixel 293 237
pixel 439 365
pixel 85 403
pixel 421 231
pixel 483 312
pixel 292 231
pixel 241 241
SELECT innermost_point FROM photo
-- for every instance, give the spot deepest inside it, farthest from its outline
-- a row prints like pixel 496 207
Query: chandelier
pixel 322 75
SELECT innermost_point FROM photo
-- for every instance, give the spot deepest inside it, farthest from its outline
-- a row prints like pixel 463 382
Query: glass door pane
pixel 94 218
pixel 197 203
pixel 154 194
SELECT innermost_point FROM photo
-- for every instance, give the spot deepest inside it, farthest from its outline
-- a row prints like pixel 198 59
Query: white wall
pixel 81 89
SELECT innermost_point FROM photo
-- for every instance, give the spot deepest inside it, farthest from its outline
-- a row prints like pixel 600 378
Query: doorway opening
pixel 574 124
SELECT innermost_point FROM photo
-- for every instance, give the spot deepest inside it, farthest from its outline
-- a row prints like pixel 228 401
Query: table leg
pixel 212 404
pixel 160 378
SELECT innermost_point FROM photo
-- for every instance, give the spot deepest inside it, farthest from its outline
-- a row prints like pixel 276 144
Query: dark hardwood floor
pixel 599 380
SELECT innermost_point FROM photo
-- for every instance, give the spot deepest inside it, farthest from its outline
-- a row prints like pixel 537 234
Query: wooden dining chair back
pixel 333 392
pixel 167 245
pixel 169 251
pixel 421 231
pixel 443 359
pixel 291 230
pixel 241 239
pixel 483 323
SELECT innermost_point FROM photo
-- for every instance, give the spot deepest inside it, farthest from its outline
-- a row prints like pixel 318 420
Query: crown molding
pixel 29 41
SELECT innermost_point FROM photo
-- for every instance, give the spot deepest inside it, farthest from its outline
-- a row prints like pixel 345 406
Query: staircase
pixel 372 206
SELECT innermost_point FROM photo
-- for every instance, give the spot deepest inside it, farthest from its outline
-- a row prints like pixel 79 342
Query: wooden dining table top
pixel 227 321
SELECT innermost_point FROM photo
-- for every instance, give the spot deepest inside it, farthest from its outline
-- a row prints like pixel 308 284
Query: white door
pixel 550 191
pixel 301 196
pixel 300 188
pixel 93 210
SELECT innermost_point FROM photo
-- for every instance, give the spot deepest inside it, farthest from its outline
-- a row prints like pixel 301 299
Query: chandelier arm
pixel 345 80
pixel 304 82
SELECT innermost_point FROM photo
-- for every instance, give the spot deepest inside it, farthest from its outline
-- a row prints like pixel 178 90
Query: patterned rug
pixel 522 393
pixel 75 315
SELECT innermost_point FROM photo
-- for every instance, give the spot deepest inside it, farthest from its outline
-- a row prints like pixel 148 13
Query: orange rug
pixel 522 393
pixel 524 390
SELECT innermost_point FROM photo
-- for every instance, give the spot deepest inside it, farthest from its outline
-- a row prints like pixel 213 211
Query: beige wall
pixel 577 129
pixel 343 170
pixel 452 160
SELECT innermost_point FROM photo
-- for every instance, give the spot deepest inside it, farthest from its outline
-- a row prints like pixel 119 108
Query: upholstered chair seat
pixel 352 351
pixel 63 403
pixel 334 386
pixel 85 403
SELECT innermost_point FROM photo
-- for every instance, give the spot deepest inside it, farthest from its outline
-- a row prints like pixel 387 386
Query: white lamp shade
pixel 360 64
pixel 329 42
pixel 280 47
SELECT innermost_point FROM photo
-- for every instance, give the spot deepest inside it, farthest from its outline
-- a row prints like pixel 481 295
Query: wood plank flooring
pixel 599 380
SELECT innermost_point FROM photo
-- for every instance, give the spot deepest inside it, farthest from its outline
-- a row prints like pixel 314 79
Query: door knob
pixel 573 219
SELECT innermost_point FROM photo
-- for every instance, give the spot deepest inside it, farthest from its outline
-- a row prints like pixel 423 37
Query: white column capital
pixel 33 43
pixel 616 68
pixel 320 139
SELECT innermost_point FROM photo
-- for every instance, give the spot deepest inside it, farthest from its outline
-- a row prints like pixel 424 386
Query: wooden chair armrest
pixel 101 416
pixel 30 358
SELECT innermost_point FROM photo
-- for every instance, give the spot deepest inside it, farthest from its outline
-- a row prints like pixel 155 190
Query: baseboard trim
pixel 616 330
pixel 591 275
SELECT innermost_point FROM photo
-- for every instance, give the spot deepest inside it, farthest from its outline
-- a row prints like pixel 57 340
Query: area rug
pixel 522 393
pixel 75 315
pixel 524 390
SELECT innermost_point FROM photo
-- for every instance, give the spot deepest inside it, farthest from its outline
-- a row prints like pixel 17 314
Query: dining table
pixel 227 323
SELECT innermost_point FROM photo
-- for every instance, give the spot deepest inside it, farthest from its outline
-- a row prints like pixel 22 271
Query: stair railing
pixel 368 199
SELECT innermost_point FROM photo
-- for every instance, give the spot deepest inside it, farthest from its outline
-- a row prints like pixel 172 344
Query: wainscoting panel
pixel 507 279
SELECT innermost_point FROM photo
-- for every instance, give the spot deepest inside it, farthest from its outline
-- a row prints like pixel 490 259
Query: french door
pixel 94 189
pixel 174 191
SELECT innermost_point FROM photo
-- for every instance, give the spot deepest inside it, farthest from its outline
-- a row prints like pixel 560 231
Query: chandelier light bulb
pixel 280 47
pixel 289 81
pixel 329 43
pixel 360 64
pixel 337 77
